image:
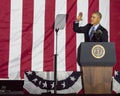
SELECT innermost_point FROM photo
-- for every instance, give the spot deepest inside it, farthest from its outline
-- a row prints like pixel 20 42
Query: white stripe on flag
pixel 60 8
pixel 15 39
pixel 38 35
pixel 104 8
pixel 82 6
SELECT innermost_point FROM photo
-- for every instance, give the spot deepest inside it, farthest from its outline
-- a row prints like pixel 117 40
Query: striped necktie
pixel 91 33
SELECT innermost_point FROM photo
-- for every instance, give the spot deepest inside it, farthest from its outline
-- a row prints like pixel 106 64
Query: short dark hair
pixel 98 13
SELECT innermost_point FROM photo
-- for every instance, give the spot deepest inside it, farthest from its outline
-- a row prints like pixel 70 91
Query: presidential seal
pixel 98 51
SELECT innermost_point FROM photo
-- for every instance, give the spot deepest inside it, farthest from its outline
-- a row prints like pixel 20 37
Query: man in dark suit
pixel 93 32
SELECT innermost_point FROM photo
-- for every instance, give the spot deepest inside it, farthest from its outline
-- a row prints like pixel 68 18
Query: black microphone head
pixel 97 35
pixel 99 31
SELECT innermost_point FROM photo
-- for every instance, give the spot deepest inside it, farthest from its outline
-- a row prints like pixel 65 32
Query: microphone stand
pixel 55 64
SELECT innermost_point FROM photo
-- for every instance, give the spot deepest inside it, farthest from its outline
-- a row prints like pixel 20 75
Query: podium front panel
pixel 96 54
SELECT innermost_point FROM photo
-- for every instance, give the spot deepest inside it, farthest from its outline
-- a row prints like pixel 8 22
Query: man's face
pixel 95 19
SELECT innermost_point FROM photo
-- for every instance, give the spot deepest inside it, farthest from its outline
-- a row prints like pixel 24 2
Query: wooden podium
pixel 96 60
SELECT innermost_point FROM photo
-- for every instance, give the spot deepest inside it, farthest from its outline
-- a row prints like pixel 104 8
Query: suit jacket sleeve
pixel 81 29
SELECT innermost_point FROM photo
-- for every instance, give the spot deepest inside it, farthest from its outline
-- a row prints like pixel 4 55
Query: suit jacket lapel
pixel 99 27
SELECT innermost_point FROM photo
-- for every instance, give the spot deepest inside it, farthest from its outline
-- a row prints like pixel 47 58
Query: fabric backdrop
pixel 27 35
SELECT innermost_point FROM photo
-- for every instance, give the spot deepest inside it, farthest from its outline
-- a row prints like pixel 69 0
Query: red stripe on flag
pixel 115 28
pixel 71 36
pixel 27 31
pixel 4 37
pixel 92 7
pixel 49 35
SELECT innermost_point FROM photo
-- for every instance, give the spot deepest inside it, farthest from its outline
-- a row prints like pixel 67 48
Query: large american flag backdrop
pixel 27 35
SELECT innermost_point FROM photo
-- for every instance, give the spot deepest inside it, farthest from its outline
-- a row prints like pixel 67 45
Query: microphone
pixel 98 35
pixel 98 32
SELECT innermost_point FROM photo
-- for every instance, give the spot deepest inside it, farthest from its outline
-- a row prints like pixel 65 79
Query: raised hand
pixel 79 18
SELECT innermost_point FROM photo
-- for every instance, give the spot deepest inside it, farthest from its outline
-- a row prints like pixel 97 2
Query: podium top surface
pixel 96 54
